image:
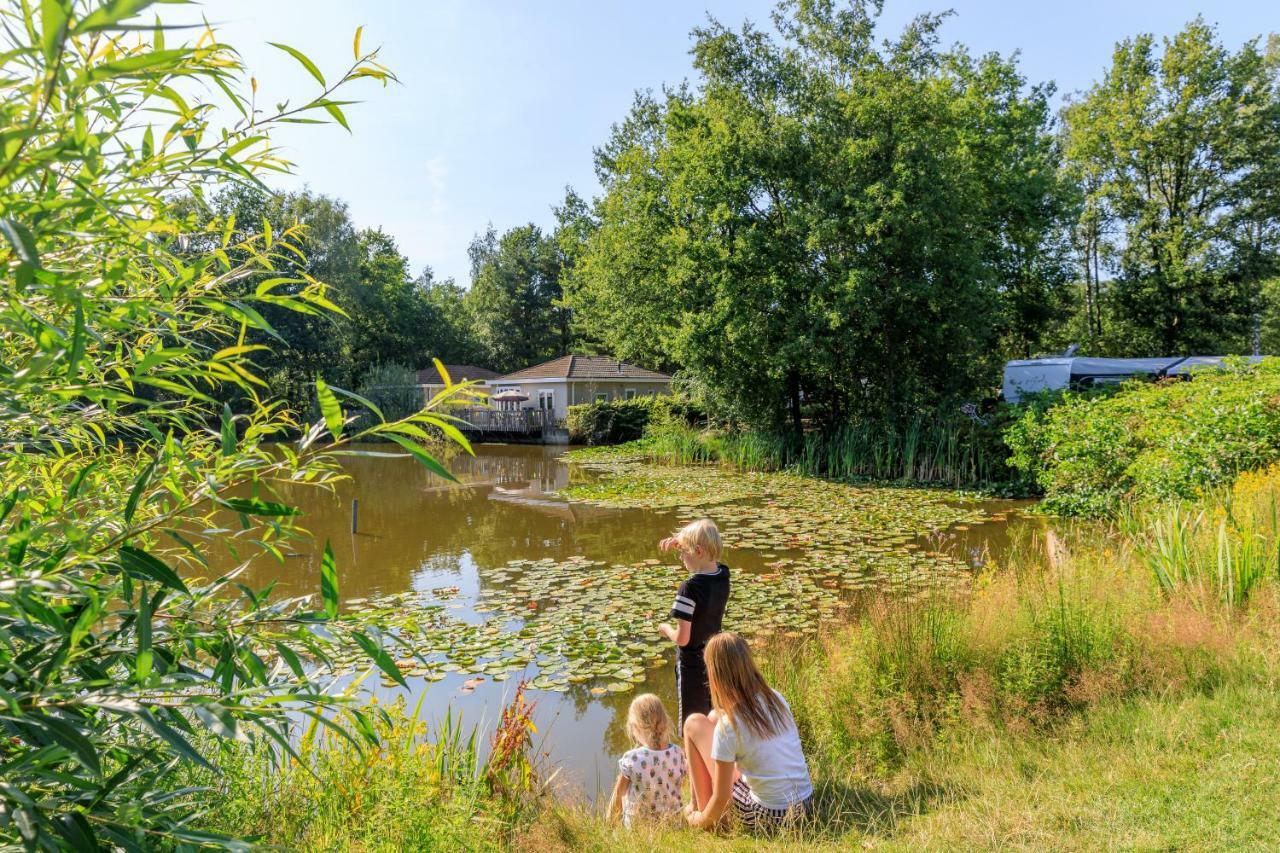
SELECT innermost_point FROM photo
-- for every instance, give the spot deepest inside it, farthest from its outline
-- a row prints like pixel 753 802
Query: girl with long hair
pixel 746 751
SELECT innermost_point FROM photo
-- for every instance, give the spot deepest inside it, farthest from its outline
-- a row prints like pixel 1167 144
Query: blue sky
pixel 501 102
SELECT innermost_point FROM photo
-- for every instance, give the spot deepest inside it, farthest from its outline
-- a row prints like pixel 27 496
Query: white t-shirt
pixel 774 769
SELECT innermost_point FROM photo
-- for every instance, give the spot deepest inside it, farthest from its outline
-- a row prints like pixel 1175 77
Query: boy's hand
pixel 669 544
pixel 667 632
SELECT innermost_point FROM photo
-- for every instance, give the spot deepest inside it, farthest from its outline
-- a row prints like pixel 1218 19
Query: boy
pixel 698 611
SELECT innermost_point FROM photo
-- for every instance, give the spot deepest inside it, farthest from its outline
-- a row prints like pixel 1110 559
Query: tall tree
pixel 515 298
pixel 1177 148
pixel 826 223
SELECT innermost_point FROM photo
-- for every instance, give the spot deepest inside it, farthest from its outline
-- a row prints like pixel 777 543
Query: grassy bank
pixel 1105 687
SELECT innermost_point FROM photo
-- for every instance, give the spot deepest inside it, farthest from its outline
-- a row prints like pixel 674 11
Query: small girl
pixel 649 776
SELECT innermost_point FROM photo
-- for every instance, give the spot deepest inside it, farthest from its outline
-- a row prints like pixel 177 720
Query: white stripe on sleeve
pixel 683 605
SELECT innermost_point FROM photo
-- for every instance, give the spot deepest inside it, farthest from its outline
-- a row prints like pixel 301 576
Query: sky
pixel 501 102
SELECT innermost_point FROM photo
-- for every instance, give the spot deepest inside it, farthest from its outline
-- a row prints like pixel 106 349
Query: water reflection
pixel 418 532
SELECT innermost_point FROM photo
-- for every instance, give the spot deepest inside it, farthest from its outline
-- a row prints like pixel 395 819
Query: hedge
pixel 1150 441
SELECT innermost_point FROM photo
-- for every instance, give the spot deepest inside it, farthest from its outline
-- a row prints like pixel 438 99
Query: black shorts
pixel 692 689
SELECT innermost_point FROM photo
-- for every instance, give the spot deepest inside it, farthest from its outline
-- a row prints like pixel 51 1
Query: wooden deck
pixel 493 422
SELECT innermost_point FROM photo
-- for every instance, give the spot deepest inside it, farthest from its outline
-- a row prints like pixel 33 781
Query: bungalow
pixel 572 379
pixel 432 383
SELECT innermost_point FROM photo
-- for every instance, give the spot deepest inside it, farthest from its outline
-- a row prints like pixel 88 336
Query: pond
pixel 530 567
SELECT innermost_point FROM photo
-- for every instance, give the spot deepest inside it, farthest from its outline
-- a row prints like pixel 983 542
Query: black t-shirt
pixel 700 601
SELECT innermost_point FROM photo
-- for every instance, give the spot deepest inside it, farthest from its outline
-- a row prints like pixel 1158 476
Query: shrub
pixel 1150 441
pixel 394 389
pixel 620 421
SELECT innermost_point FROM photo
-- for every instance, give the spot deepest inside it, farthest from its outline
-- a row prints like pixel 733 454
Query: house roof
pixel 457 372
pixel 586 367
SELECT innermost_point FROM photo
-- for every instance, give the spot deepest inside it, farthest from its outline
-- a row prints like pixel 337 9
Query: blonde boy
pixel 698 611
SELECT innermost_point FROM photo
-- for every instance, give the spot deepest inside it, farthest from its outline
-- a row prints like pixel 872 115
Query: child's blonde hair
pixel 703 534
pixel 648 723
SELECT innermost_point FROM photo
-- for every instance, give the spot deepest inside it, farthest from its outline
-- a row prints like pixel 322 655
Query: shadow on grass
pixel 841 810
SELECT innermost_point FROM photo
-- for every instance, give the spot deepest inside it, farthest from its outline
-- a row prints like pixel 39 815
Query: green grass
pixel 1075 698
pixel 1195 772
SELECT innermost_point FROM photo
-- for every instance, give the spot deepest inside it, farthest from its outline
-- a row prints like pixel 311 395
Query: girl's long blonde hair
pixel 739 691
pixel 648 723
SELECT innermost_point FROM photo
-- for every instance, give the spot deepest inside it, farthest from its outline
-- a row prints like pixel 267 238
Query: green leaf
pixel 139 564
pixel 70 737
pixel 220 721
pixel 253 506
pixel 428 461
pixel 77 343
pixel 333 110
pixel 180 744
pixel 329 581
pixel 302 59
pixel 74 489
pixel 228 431
pixel 53 24
pixel 330 409
pixel 108 15
pixel 379 656
pixel 19 237
pixel 291 658
pixel 142 666
pixel 364 401
pixel 139 486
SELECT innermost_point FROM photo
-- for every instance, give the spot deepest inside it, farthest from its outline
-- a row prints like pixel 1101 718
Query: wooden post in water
pixel 355 515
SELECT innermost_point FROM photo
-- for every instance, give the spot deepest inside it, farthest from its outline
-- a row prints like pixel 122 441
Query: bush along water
pixel 1170 440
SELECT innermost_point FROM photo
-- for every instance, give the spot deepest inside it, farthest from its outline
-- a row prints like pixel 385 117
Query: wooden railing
pixel 523 421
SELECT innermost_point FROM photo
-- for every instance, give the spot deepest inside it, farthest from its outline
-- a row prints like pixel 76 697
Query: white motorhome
pixel 1028 376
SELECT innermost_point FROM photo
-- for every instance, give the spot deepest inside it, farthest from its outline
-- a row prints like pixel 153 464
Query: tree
pixel 455 340
pixel 826 225
pixel 121 467
pixel 515 298
pixel 305 345
pixel 391 318
pixel 1177 152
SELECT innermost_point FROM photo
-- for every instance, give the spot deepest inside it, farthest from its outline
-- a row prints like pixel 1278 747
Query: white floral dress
pixel 655 776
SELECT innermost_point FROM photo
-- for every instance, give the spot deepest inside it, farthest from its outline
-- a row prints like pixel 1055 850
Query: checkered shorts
pixel 756 817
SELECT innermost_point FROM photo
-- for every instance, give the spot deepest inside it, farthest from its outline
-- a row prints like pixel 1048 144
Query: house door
pixel 547 401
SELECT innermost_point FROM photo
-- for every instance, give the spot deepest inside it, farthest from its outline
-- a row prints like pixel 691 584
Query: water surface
pixel 418 532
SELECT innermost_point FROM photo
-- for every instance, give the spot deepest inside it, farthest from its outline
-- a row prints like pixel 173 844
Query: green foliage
pixel 743 236
pixel 1174 155
pixel 386 316
pixel 514 303
pixel 422 787
pixel 393 389
pixel 618 421
pixel 1162 441
pixel 121 333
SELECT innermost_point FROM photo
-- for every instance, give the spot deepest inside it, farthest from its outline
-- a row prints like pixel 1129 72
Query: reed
pixel 1217 550
pixel 951 452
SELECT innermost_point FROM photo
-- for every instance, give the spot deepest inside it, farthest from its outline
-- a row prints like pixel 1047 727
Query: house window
pixel 629 394
pixel 602 398
pixel 547 400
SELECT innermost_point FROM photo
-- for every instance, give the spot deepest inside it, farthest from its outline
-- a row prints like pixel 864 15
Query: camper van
pixel 1052 374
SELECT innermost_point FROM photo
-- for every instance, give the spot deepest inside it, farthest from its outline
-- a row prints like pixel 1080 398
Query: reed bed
pixel 952 452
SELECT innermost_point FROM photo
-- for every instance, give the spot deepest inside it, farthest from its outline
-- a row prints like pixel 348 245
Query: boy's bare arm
pixel 679 634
